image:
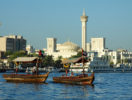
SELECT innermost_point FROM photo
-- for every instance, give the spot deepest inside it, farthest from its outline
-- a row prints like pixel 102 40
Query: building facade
pixel 12 43
pixel 30 49
pixel 51 44
pixel 64 50
pixel 97 44
pixel 88 47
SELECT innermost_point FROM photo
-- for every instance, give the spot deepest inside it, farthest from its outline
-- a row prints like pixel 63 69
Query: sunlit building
pixel 30 49
pixel 97 44
pixel 51 44
pixel 12 43
pixel 64 50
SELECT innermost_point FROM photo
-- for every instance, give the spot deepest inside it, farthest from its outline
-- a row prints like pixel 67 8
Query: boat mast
pixel 37 66
pixel 83 61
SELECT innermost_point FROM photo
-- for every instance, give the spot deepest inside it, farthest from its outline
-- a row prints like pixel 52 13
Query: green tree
pixel 126 60
pixel 8 53
pixel 58 62
pixel 33 55
pixel 59 58
pixel 118 61
pixel 111 64
pixel 48 61
pixel 17 54
pixel 79 54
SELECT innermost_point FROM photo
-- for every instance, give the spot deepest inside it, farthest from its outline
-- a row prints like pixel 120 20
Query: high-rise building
pixel 51 44
pixel 84 20
pixel 12 43
pixel 97 44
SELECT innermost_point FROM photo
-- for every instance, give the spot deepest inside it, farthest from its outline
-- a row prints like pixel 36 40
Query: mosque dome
pixel 68 47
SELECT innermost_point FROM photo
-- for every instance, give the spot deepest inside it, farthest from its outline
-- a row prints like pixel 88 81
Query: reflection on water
pixel 76 91
pixel 35 86
pixel 106 86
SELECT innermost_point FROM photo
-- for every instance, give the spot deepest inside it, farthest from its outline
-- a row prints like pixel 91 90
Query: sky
pixel 37 20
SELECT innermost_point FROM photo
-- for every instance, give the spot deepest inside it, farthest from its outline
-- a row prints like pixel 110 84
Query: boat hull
pixel 80 80
pixel 26 78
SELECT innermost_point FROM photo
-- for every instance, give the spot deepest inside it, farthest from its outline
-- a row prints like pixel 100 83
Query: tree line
pixel 47 60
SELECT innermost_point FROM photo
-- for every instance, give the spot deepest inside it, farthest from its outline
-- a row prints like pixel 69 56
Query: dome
pixel 68 43
pixel 69 46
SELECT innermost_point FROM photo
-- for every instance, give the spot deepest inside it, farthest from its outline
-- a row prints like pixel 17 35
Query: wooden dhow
pixel 29 78
pixel 26 78
pixel 82 79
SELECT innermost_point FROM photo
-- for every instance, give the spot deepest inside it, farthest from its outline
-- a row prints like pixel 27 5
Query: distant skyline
pixel 37 20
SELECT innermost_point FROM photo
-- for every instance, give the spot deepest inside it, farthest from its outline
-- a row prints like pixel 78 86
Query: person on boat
pixel 34 70
pixel 16 70
pixel 27 70
pixel 72 74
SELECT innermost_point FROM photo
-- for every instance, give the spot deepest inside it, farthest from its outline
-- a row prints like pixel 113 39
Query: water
pixel 107 86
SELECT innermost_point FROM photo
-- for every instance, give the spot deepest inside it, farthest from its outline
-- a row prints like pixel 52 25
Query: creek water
pixel 106 86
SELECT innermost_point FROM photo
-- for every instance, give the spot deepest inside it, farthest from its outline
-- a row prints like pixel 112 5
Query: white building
pixel 125 56
pixel 113 57
pixel 30 49
pixel 119 57
pixel 88 47
pixel 51 45
pixel 68 47
pixel 97 44
pixel 64 50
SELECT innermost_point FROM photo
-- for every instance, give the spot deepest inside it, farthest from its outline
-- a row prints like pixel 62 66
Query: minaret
pixel 84 20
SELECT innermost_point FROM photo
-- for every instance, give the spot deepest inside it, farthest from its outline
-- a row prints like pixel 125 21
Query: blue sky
pixel 36 20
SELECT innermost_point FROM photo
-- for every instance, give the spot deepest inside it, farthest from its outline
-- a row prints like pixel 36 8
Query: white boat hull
pixel 78 70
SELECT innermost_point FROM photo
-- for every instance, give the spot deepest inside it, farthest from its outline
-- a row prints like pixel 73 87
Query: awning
pixel 25 59
pixel 75 60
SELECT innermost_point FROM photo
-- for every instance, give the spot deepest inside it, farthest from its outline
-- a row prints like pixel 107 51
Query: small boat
pixel 30 78
pixel 26 78
pixel 82 79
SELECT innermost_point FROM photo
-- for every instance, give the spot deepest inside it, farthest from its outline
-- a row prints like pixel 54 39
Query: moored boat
pixel 26 78
pixel 82 79
pixel 35 77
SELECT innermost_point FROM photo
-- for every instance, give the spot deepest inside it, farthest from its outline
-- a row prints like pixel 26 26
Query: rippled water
pixel 107 86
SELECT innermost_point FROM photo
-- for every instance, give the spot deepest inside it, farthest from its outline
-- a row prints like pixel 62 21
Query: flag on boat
pixel 84 53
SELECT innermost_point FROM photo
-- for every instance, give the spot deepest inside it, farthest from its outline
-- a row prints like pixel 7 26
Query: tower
pixel 51 44
pixel 97 44
pixel 84 20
